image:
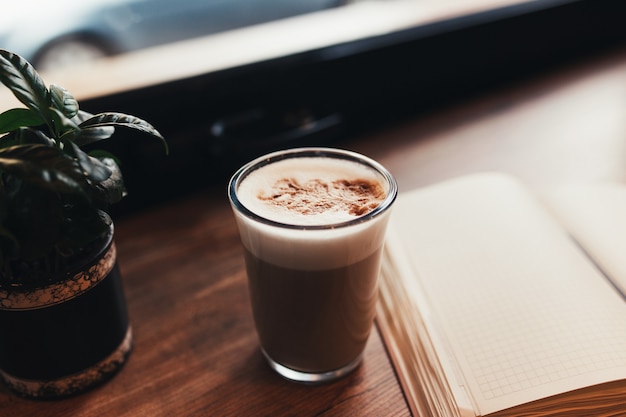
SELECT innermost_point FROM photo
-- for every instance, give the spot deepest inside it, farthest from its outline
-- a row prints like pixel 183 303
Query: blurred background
pixel 228 80
pixel 53 34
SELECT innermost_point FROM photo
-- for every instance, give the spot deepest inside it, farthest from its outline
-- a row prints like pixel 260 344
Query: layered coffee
pixel 313 229
pixel 321 192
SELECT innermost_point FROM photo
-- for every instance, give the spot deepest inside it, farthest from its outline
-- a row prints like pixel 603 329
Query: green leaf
pixel 62 100
pixel 61 123
pixel 21 78
pixel 23 136
pixel 124 120
pixel 101 154
pixel 112 189
pixel 95 170
pixel 81 116
pixel 43 166
pixel 84 225
pixel 15 118
pixel 86 136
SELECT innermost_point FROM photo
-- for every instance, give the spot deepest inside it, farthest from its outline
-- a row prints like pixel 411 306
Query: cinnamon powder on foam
pixel 355 197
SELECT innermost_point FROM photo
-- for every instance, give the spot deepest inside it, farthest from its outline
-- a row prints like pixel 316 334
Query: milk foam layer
pixel 328 248
pixel 312 191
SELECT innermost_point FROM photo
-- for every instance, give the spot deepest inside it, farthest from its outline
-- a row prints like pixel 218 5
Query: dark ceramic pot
pixel 63 338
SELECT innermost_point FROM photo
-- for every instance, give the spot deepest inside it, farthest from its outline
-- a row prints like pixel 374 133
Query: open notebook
pixel 492 305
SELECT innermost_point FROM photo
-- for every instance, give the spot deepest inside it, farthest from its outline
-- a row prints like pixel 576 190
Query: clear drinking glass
pixel 312 269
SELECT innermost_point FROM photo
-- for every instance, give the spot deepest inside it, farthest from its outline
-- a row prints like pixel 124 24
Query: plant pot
pixel 63 338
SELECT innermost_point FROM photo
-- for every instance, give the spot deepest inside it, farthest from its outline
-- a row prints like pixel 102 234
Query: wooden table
pixel 196 351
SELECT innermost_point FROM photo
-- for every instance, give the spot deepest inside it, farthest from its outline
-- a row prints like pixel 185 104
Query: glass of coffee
pixel 312 222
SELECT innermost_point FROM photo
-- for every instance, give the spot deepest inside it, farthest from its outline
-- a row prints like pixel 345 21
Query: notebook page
pixel 595 215
pixel 526 315
pixel 413 338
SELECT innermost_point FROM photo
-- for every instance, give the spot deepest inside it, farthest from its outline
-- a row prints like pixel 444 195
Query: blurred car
pixel 54 33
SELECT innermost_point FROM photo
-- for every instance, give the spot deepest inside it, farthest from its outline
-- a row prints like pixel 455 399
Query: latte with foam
pixel 312 223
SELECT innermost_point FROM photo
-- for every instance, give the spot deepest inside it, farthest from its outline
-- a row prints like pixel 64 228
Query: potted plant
pixel 63 320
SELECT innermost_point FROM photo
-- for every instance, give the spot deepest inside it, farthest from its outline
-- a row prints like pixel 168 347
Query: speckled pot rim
pixel 63 291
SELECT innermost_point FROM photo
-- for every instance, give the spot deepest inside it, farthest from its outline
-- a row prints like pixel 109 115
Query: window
pixel 322 75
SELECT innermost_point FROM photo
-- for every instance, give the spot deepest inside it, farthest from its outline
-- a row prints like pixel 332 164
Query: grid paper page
pixel 525 314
